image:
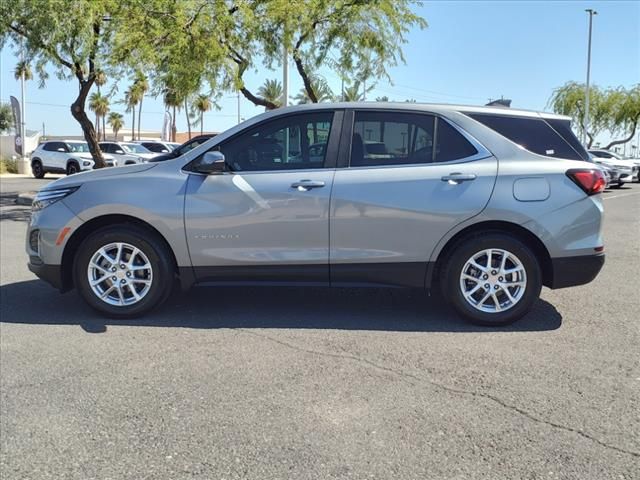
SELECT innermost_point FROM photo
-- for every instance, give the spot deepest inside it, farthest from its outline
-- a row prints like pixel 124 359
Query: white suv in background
pixel 127 153
pixel 63 156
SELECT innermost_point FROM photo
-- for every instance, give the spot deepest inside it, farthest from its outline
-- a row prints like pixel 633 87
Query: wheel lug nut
pixel 500 278
pixel 114 278
pixel 486 285
pixel 124 281
pixel 495 287
pixel 122 266
pixel 113 269
pixel 485 276
pixel 128 274
pixel 493 272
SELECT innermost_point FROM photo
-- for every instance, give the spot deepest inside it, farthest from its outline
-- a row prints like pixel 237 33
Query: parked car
pixel 63 156
pixel 619 161
pixel 184 148
pixel 238 209
pixel 156 146
pixel 127 153
pixel 614 176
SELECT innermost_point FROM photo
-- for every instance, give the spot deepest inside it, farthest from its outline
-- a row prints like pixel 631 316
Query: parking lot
pixel 285 383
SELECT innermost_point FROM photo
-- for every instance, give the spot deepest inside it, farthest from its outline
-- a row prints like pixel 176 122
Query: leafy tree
pixel 202 104
pixel 614 110
pixel 272 92
pixel 74 38
pixel 116 122
pixel 382 99
pixel 355 91
pixel 99 104
pixel 101 79
pixel 131 100
pixel 321 88
pixel 172 100
pixel 6 117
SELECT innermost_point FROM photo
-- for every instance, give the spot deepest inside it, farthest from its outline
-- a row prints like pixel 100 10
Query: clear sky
pixel 472 51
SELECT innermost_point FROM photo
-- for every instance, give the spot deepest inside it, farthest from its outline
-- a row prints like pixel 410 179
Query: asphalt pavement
pixel 289 383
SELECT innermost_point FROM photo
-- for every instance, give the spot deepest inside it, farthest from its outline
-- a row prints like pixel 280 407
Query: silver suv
pixel 488 204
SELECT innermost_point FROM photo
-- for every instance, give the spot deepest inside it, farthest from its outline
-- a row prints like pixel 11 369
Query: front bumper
pixel 573 271
pixel 52 274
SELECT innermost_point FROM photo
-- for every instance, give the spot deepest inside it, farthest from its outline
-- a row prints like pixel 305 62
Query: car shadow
pixel 34 302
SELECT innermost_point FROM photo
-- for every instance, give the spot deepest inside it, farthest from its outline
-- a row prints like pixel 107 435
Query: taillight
pixel 590 180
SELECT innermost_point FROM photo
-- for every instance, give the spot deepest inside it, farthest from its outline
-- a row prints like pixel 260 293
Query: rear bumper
pixel 52 274
pixel 572 271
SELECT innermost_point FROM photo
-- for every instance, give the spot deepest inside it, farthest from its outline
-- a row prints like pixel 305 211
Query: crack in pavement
pixel 404 376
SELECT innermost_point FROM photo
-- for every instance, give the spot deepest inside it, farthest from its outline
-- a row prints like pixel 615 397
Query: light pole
pixel 585 122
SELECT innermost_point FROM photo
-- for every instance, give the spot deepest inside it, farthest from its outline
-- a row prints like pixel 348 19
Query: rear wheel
pixel 123 271
pixel 492 279
pixel 37 169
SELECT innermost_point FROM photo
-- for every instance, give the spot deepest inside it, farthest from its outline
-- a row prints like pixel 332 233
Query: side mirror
pixel 61 149
pixel 211 163
pixel 120 152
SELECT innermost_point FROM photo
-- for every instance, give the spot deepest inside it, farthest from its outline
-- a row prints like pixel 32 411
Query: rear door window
pixel 533 134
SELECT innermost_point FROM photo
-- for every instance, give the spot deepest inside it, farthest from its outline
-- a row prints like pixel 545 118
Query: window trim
pixel 331 156
pixel 347 137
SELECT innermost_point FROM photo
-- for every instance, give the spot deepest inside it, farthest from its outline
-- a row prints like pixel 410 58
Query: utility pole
pixel 285 75
pixel 238 106
pixel 23 129
pixel 585 122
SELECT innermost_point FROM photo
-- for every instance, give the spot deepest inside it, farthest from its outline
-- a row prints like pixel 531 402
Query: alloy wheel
pixel 120 274
pixel 493 280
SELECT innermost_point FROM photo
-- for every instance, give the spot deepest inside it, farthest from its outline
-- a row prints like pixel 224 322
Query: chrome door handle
pixel 306 185
pixel 457 178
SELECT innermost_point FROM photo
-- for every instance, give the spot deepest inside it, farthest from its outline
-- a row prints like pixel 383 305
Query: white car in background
pixel 64 156
pixel 127 153
pixel 630 167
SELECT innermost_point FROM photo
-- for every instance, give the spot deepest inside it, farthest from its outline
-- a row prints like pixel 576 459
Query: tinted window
pixel 450 144
pixel 534 134
pixel 392 138
pixel 52 146
pixel 155 147
pixel 106 147
pixel 289 143
pixel 563 127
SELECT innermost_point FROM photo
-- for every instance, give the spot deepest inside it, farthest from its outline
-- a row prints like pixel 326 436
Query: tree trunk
pixel 115 135
pixel 78 112
pixel 173 125
pixel 305 77
pixel 139 115
pixel 201 121
pixel 186 112
pixel 261 102
pixel 104 129
pixel 627 139
pixel 133 123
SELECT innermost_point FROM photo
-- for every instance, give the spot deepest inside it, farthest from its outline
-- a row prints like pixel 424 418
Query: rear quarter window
pixel 533 134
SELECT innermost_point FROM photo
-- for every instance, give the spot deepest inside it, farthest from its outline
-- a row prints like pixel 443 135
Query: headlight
pixel 44 198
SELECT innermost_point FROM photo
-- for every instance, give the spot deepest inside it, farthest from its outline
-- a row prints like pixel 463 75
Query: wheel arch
pixel 521 233
pixel 94 224
pixel 36 159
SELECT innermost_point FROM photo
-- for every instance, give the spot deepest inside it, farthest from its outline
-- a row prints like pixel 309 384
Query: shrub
pixel 8 166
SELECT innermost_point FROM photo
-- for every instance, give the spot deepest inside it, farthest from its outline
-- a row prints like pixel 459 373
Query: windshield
pixel 134 148
pixel 78 146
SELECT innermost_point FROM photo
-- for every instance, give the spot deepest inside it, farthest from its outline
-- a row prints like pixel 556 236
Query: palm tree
pixel 23 67
pixel 142 86
pixel 99 104
pixel 172 100
pixel 352 92
pixel 101 79
pixel 203 104
pixel 321 88
pixel 271 90
pixel 131 99
pixel 116 122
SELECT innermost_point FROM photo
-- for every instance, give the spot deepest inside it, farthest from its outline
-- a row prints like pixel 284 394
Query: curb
pixel 25 198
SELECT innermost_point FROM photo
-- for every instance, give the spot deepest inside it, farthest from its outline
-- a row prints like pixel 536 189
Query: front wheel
pixel 492 279
pixel 72 168
pixel 37 169
pixel 123 271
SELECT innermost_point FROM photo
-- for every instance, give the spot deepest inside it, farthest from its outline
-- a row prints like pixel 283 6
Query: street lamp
pixel 585 122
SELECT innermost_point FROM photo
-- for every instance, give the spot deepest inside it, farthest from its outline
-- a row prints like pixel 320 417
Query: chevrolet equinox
pixel 487 204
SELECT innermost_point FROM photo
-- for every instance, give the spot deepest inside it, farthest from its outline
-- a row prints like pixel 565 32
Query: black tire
pixel 37 169
pixel 73 168
pixel 464 251
pixel 617 185
pixel 155 250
